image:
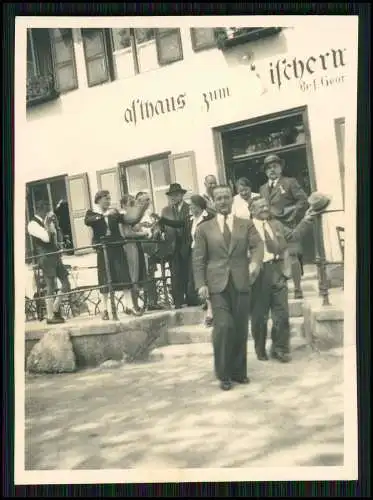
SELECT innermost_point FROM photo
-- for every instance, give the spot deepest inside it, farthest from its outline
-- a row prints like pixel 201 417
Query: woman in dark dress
pixel 104 222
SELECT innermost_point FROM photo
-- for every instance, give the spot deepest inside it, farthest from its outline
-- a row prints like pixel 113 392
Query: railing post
pixel 109 283
pixel 321 262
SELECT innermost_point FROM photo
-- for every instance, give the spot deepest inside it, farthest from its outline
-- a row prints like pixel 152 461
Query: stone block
pixel 335 275
pixel 54 353
pixel 323 326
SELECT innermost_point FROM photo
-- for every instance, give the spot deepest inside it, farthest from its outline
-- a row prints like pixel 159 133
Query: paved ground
pixel 171 413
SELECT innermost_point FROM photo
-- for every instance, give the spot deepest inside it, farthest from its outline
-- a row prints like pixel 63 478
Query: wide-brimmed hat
pixel 175 188
pixel 318 202
pixel 272 159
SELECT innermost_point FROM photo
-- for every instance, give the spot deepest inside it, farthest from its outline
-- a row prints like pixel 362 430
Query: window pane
pixel 63 52
pixel 97 72
pixel 77 194
pixel 39 192
pixel 160 199
pixel 144 35
pixel 184 172
pixel 65 77
pixel 203 37
pixel 93 43
pixel 266 136
pixel 121 38
pixel 137 178
pixel 160 171
pixel 169 46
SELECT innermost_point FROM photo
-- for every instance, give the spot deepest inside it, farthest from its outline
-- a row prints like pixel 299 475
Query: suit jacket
pixel 97 222
pixel 180 231
pixel 286 237
pixel 213 262
pixel 287 200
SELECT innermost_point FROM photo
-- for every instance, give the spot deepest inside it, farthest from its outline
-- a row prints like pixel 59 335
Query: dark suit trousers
pixel 270 293
pixel 179 266
pixel 230 332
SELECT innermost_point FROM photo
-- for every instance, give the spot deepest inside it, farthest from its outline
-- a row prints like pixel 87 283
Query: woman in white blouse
pixel 243 198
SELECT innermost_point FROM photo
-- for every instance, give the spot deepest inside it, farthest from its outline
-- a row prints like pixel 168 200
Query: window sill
pixel 260 33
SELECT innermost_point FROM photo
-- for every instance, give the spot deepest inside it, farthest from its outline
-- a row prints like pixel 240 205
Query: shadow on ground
pixel 171 414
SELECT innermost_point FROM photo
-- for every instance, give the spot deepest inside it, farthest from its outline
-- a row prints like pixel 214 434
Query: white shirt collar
pixel 220 219
pixel 99 210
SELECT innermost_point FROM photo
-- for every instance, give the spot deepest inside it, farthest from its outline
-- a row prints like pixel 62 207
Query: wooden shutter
pixel 183 171
pixel 79 201
pixel 110 180
pixel 169 45
pixel 63 55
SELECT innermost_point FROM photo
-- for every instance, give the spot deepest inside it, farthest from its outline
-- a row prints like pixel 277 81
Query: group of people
pixel 232 255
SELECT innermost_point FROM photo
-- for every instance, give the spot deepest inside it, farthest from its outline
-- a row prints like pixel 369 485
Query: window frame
pixel 57 66
pixel 158 36
pixel 107 55
pixel 200 47
pixel 140 161
pixel 340 140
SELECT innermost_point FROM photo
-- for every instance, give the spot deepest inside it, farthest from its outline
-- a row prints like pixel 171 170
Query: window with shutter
pixel 63 59
pixel 203 38
pixel 109 179
pixel 97 51
pixel 169 46
pixel 79 201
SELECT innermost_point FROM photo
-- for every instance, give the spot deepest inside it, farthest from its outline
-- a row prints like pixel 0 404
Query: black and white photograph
pixel 185 265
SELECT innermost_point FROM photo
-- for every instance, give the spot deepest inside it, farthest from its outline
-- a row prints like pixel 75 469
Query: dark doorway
pixel 53 190
pixel 245 145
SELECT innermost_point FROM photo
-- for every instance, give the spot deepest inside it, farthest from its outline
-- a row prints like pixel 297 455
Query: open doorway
pixel 54 190
pixel 245 145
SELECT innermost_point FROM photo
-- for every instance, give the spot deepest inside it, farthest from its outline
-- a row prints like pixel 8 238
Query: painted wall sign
pixel 310 72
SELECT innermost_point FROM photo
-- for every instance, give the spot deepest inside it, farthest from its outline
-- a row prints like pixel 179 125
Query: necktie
pixel 270 241
pixel 271 186
pixel 226 232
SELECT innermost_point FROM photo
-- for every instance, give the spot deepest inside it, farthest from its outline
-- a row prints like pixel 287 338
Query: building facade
pixel 133 110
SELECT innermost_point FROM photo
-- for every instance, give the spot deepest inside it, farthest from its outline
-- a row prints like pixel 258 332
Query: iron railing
pixel 77 298
pixel 321 261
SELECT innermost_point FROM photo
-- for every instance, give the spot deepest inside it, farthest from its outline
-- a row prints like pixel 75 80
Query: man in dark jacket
pixel 288 203
pixel 178 211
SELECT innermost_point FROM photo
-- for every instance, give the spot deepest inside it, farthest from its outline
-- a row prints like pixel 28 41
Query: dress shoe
pixel 208 321
pixel 244 380
pixel 58 315
pixel 262 357
pixel 298 294
pixel 283 357
pixel 225 385
pixel 155 307
pixel 105 316
pixel 55 321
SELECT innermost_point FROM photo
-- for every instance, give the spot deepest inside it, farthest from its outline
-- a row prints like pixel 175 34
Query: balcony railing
pixel 230 37
pixel 40 89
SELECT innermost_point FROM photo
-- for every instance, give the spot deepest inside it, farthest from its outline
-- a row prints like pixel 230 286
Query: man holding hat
pixel 288 203
pixel 178 211
pixel 270 291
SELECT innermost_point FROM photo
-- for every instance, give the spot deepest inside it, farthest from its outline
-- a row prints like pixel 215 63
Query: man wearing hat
pixel 288 203
pixel 270 291
pixel 178 211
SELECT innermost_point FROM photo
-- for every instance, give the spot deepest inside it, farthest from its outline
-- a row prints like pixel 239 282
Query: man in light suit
pixel 222 274
pixel 270 290
pixel 288 203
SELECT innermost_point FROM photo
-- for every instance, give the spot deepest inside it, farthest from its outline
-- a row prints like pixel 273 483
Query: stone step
pixel 199 333
pixel 175 351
